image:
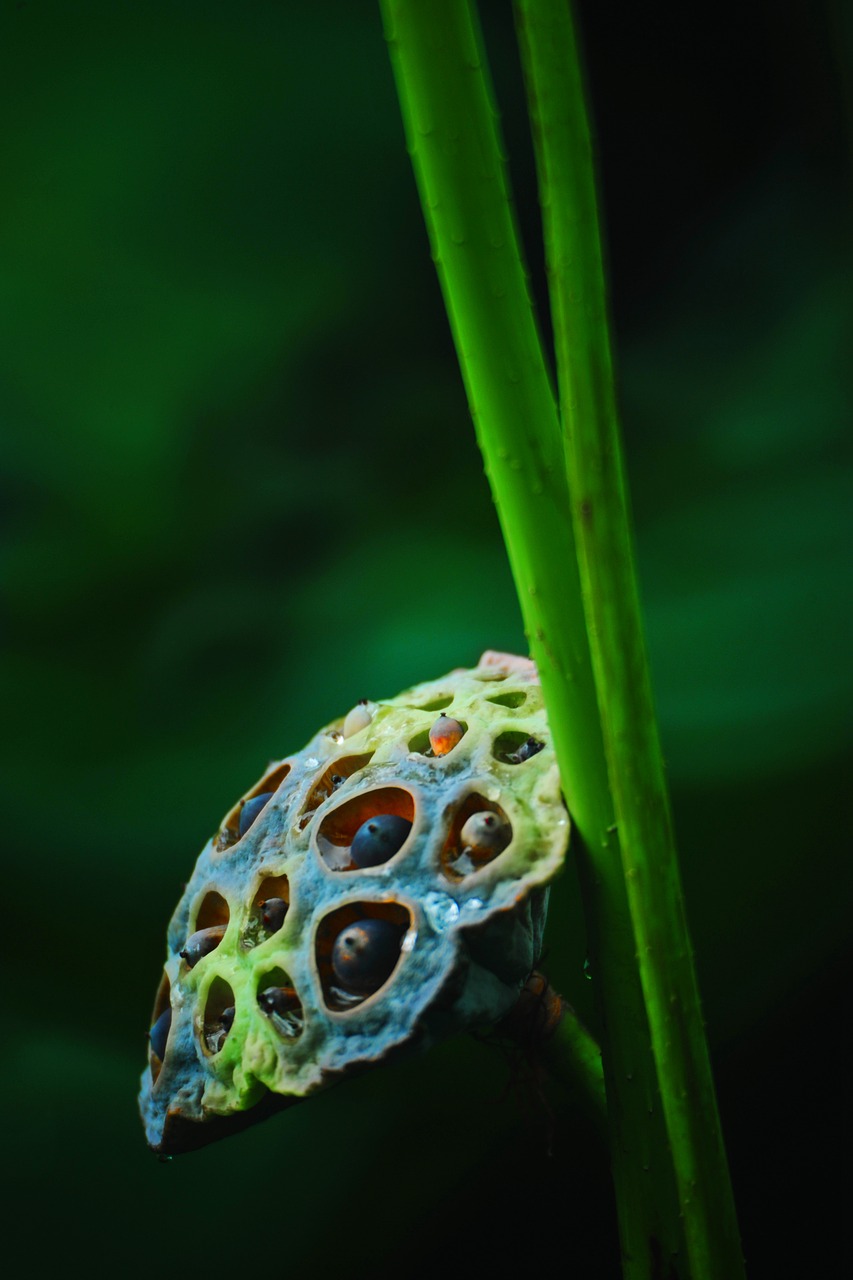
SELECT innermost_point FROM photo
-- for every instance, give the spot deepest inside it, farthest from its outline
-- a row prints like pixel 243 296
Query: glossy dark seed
pixel 250 811
pixel 273 911
pixel 280 1000
pixel 226 1018
pixel 526 750
pixel 365 953
pixel 201 943
pixel 159 1034
pixel 378 839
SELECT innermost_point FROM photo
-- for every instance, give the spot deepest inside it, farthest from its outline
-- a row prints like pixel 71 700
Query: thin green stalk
pixel 602 528
pixel 551 1035
pixel 453 139
pixel 573 1057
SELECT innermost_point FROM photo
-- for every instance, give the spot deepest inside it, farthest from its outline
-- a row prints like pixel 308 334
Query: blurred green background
pixel 240 491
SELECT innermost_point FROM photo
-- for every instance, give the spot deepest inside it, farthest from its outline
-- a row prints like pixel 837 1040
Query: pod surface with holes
pixel 414 874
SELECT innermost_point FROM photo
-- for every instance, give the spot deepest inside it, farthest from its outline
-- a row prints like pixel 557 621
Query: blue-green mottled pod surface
pixel 462 917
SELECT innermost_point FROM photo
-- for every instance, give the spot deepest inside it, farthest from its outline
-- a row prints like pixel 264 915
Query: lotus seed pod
pixel 343 947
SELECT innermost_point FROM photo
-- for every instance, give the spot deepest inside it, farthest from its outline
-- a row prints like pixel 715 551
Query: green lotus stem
pixel 549 1032
pixel 573 1057
pixel 453 139
pixel 602 529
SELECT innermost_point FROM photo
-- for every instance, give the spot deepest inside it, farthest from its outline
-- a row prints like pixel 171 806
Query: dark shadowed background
pixel 240 491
